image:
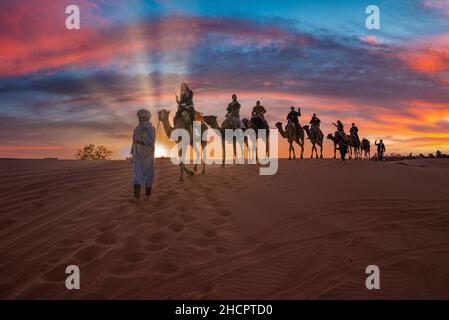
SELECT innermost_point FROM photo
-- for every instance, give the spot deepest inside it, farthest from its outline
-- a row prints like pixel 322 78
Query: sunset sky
pixel 61 89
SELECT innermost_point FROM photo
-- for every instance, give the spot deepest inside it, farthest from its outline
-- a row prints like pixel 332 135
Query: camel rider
pixel 234 112
pixel 339 125
pixel 315 122
pixel 354 132
pixel 185 102
pixel 293 116
pixel 380 149
pixel 259 112
pixel 142 152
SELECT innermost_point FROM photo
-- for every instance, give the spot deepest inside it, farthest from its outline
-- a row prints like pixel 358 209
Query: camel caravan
pixel 186 117
pixel 189 128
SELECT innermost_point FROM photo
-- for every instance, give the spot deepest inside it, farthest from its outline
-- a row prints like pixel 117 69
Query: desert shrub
pixel 91 152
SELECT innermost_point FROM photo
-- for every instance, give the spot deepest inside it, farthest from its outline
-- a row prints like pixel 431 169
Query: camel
pixel 354 146
pixel 226 124
pixel 182 123
pixel 337 146
pixel 351 143
pixel 256 124
pixel 316 138
pixel 291 135
pixel 366 147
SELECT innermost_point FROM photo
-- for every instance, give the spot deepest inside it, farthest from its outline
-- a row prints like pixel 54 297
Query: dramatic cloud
pixel 60 89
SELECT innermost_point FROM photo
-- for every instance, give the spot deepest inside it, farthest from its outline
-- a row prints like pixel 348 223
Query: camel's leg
pixel 335 150
pixel 188 171
pixel 223 152
pixel 321 150
pixel 267 150
pixel 194 155
pixel 302 148
pixel 203 147
pixel 289 150
pixel 293 149
pixel 181 176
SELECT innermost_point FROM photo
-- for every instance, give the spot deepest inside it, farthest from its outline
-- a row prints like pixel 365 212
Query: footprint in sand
pixel 107 238
pixel 157 237
pixel 214 203
pixel 187 217
pixel 89 253
pixel 165 267
pixel 6 223
pixel 225 212
pixel 176 227
pixel 208 233
pixel 137 256
pixel 218 221
pixel 220 250
pixel 106 227
pixel 206 287
pixel 182 208
pixel 56 274
pixel 201 242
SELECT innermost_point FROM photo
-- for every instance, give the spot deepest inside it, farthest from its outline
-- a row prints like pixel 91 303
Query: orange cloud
pixel 429 56
pixel 371 40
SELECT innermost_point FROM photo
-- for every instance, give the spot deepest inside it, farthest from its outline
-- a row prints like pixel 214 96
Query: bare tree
pixel 90 152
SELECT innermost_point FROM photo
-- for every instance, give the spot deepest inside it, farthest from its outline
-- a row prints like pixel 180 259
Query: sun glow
pixel 161 151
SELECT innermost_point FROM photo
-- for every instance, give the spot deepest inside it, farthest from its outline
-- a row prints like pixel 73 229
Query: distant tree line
pixel 92 152
pixel 398 156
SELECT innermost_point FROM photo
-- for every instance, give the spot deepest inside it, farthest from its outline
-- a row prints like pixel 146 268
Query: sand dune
pixel 307 232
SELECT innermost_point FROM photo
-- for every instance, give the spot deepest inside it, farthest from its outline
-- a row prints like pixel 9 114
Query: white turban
pixel 144 114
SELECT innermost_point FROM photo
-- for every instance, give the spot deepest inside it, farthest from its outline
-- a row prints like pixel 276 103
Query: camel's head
pixel 211 120
pixel 245 122
pixel 306 127
pixel 330 136
pixel 163 114
pixel 278 125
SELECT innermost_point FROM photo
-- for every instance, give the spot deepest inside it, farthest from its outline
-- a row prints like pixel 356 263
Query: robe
pixel 142 150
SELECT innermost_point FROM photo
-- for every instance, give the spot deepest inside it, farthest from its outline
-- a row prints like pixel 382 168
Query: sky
pixel 61 89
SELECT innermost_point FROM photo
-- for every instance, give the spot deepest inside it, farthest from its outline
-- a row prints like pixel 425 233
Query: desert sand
pixel 308 232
